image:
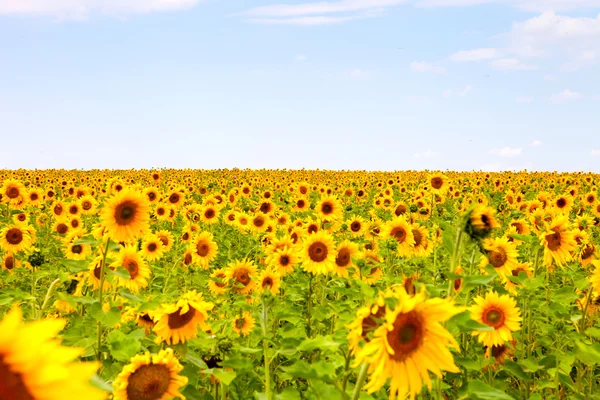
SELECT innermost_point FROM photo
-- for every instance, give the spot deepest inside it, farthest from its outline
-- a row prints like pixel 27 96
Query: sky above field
pixel 350 84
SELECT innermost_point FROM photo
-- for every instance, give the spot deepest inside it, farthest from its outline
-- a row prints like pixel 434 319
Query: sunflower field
pixel 298 284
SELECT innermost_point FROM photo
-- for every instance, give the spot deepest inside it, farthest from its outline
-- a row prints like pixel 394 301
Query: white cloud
pixel 507 151
pixel 595 152
pixel 302 21
pixel 356 74
pixel 426 154
pixel 524 100
pixel 564 97
pixel 475 55
pixel 536 143
pixel 549 77
pixel 465 91
pixel 80 9
pixel 422 66
pixel 316 13
pixel 529 5
pixel 511 64
pixel 301 57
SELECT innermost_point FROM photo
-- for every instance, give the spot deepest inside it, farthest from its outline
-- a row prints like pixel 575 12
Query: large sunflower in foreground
pixel 150 376
pixel 499 312
pixel 126 215
pixel 558 241
pixel 34 365
pixel 179 322
pixel 318 254
pixel 409 343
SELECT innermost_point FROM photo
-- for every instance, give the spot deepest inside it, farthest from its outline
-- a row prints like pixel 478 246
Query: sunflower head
pixel 480 222
pixel 126 216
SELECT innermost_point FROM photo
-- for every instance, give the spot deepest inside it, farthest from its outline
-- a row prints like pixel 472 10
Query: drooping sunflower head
pixel 217 284
pixel 558 241
pixel 150 376
pixel 343 259
pixel 480 222
pixel 126 216
pixel 130 259
pixel 268 281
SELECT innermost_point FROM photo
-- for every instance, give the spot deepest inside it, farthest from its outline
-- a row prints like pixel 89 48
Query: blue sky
pixel 347 84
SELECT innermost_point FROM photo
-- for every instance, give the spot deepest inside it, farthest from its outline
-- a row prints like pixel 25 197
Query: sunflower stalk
pixel 360 381
pixel 454 260
pixel 100 295
pixel 263 321
pixel 49 294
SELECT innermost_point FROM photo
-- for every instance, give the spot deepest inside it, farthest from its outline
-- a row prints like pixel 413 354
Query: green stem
pixel 309 303
pixel 48 296
pixel 100 296
pixel 362 377
pixel 587 303
pixel 454 260
pixel 264 318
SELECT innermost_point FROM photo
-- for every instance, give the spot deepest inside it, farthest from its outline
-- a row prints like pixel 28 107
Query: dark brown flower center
pixel 267 282
pixel 553 241
pixel 174 198
pixel 125 212
pixel 210 213
pixel 152 247
pixel 57 209
pixel 418 237
pixel 132 267
pixel 77 249
pixel 317 252
pixel 588 251
pixel 355 226
pixel 437 182
pixel 497 258
pixel 164 240
pixel 202 249
pixel 12 386
pixel 14 236
pixel 73 209
pixel 284 260
pixel 12 192
pixel 343 258
pixel 258 221
pixel 148 382
pixel 242 276
pixel 62 228
pixel 406 335
pixel 493 317
pixel 177 320
pixel 399 233
pixel 86 205
pixel 327 208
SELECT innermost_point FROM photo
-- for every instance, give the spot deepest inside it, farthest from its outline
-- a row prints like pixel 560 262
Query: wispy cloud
pixel 466 90
pixel 536 143
pixel 564 97
pixel 475 55
pixel 511 64
pixel 507 151
pixel 524 100
pixel 426 154
pixel 422 66
pixel 457 92
pixel 81 9
pixel 529 5
pixel 316 13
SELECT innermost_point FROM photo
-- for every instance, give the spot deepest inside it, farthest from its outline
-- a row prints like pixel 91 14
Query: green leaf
pixel 483 391
pixel 588 354
pixel 289 393
pixel 109 318
pixel 466 325
pixel 323 343
pixel 88 239
pixel 75 266
pixel 593 332
pixel 121 346
pixel 100 383
pixel 120 272
pixel 523 238
pixel 515 370
pixel 530 365
pixel 195 359
pixel 224 376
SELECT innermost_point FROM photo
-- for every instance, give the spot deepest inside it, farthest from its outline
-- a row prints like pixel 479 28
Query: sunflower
pixel 166 237
pixel 343 259
pixel 498 312
pixel 587 254
pixel 318 254
pixel 9 262
pixel 329 208
pixel 268 281
pixel 59 209
pixel 13 192
pixel 301 204
pixel 244 324
pixel 93 274
pixel 284 259
pixel 15 238
pixel 132 261
pixel 209 215
pixel 368 318
pixel 258 223
pixel 204 249
pixel 500 353
pixel 88 204
pixel 175 198
pixel 217 284
pixel 563 203
pixel 481 222
pixel 422 247
pixel 242 220
pixel 150 376
pixel 151 194
pixel 438 182
pixel 179 322
pixel 400 230
pixel 241 272
pixel 34 197
pixel 356 226
pixel 500 253
pixel 558 241
pixel 409 343
pixel 34 364
pixel 74 250
pixel 152 247
pixel 126 216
